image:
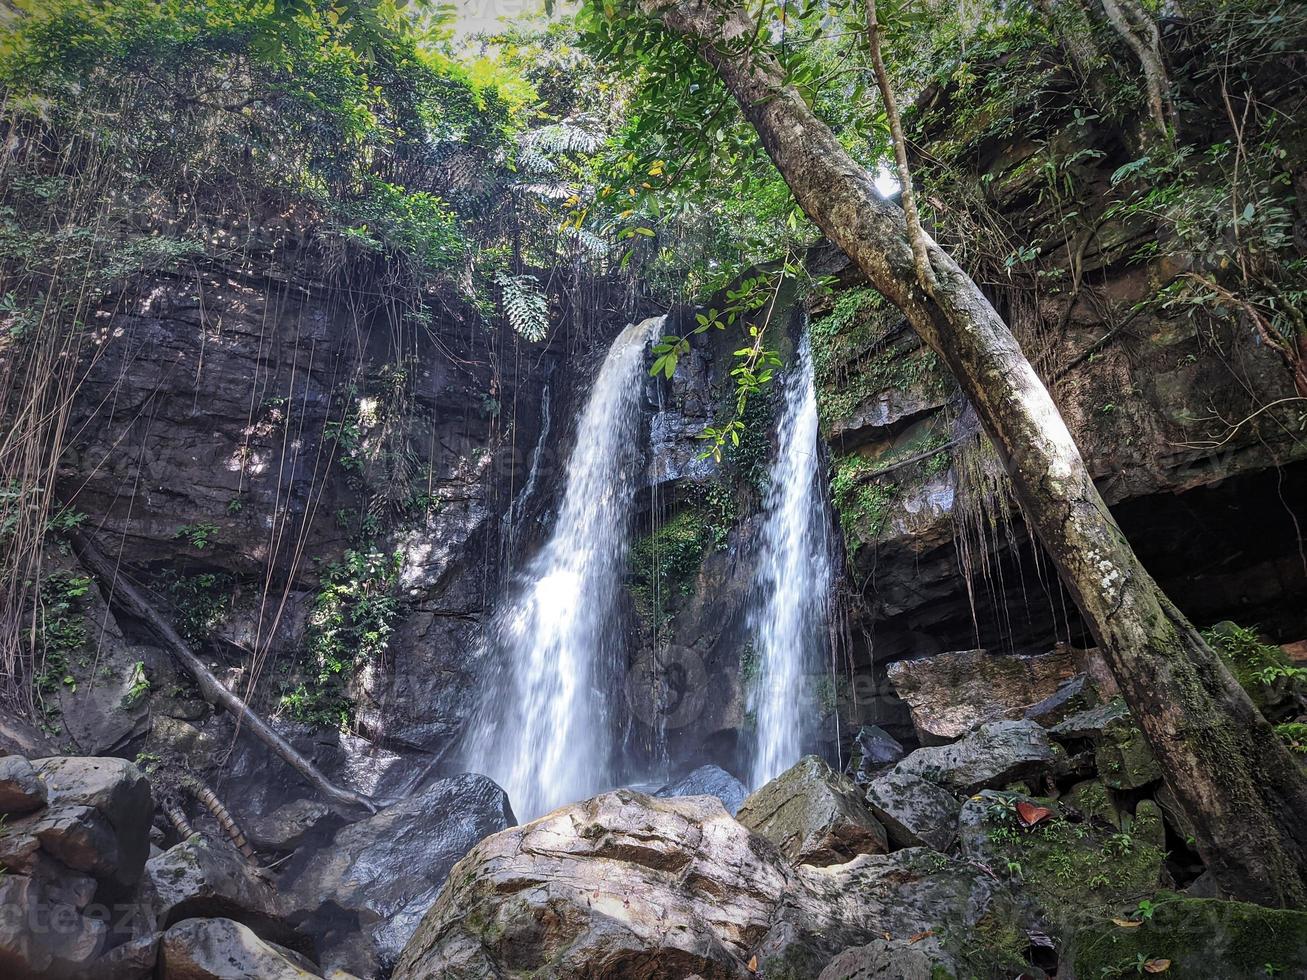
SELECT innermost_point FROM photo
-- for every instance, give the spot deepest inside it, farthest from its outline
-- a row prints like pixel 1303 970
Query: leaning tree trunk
pixel 1234 778
pixel 1138 30
pixel 121 593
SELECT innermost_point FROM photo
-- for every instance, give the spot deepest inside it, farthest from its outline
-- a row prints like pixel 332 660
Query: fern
pixel 525 304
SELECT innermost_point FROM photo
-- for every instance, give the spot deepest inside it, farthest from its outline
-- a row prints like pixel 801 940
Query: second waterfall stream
pixel 791 584
pixel 544 731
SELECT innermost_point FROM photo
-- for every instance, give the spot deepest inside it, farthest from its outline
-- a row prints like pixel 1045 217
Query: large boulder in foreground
pixel 883 959
pixel 620 885
pixel 120 795
pixel 709 781
pixel 951 693
pixel 363 895
pixel 814 816
pixel 991 757
pixel 220 949
pixel 631 886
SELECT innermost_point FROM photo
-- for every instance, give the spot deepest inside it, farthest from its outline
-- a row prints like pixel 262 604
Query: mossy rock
pixel 665 564
pixel 1123 757
pixel 1249 659
pixel 1090 799
pixel 1204 938
pixel 1075 872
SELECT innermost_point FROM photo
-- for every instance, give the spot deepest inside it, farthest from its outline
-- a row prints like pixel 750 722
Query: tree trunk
pixel 1139 31
pixel 1235 779
pixel 916 236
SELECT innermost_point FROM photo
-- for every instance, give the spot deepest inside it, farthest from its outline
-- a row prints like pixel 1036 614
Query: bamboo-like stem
pixel 201 791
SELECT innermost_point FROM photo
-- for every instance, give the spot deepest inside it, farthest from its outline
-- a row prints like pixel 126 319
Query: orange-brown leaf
pixel 1129 923
pixel 1157 966
pixel 753 964
pixel 920 936
pixel 1029 814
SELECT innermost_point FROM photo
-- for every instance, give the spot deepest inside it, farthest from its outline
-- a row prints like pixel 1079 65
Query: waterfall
pixel 791 581
pixel 543 729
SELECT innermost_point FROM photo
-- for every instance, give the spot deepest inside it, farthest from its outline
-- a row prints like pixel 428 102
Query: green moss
pixel 353 615
pixel 1075 872
pixel 1123 757
pixel 663 565
pixel 198 602
pixel 1201 937
pixel 862 502
pixel 1091 799
pixel 850 364
pixel 1262 669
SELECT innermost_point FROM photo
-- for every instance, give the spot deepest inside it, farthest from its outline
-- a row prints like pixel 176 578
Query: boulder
pixel 626 885
pixel 873 750
pixel 1201 937
pixel 709 781
pixel 951 693
pixel 814 816
pixel 1071 696
pixel 220 949
pixel 199 878
pixel 1090 722
pixel 362 896
pixel 1123 758
pixel 619 883
pixel 914 811
pixel 290 825
pixel 121 794
pixel 1089 800
pixel 884 959
pixel 43 936
pixel 20 789
pixel 18 849
pixel 956 913
pixel 79 837
pixel 992 756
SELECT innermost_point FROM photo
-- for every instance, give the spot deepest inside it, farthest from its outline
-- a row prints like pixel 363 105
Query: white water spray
pixel 544 732
pixel 792 581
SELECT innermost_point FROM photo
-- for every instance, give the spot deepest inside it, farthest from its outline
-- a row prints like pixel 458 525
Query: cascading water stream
pixel 792 582
pixel 544 731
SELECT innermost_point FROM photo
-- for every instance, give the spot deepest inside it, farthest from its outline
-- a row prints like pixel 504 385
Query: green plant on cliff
pixel 349 629
pixel 61 631
pixel 197 602
pixel 163 138
pixel 862 501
